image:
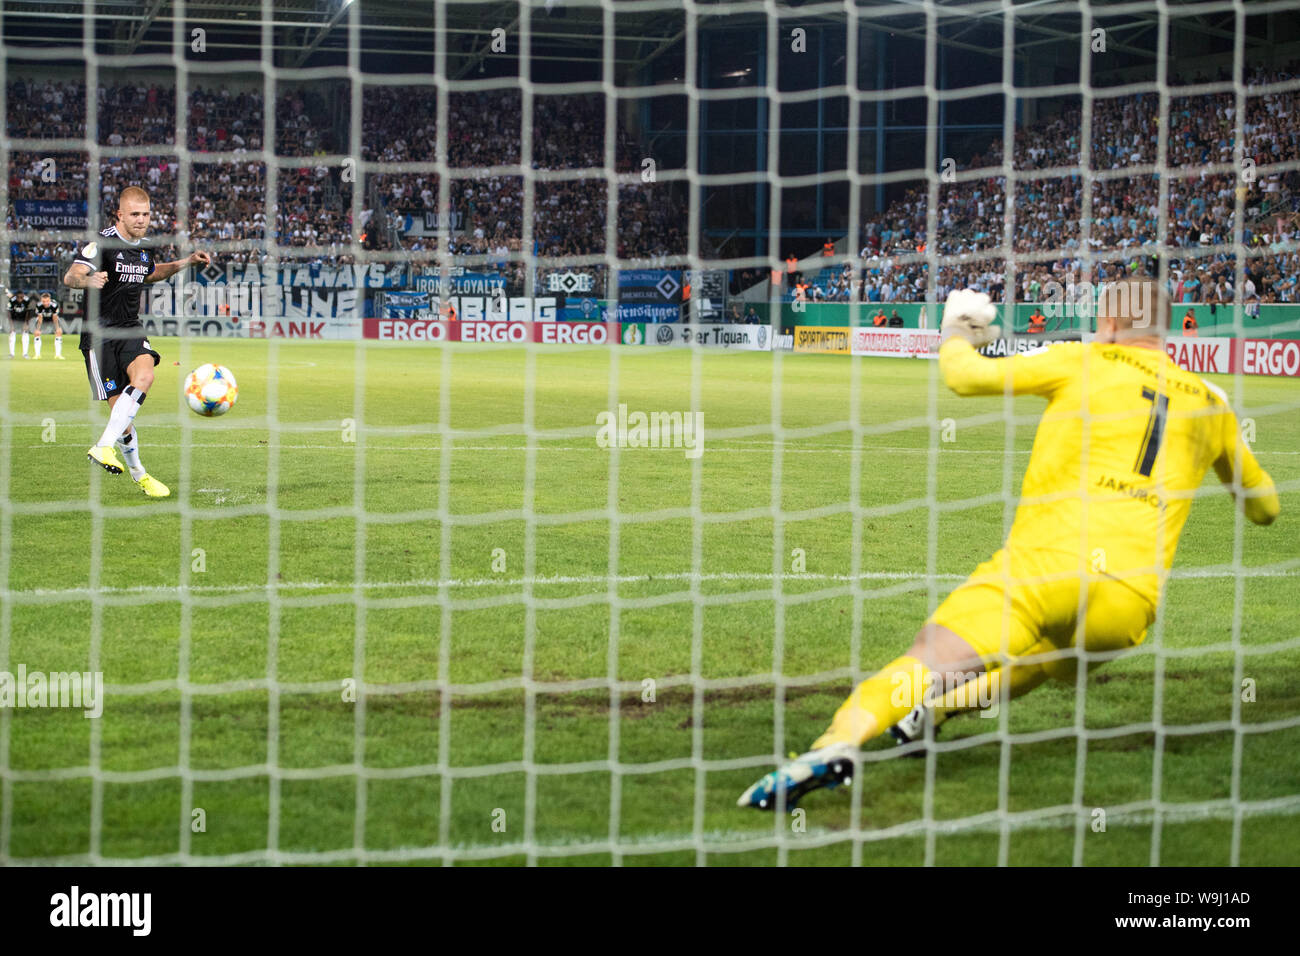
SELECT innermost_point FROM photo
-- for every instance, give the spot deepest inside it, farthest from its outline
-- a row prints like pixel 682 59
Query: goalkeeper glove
pixel 967 314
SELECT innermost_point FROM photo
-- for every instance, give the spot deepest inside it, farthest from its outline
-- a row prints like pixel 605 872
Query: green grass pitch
pixel 276 492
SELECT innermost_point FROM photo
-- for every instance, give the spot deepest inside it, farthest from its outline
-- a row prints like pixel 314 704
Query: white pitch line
pixel 546 446
pixel 433 583
pixel 1062 820
pixel 718 840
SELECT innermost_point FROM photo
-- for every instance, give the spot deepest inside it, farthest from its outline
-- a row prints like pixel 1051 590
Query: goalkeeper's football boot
pixel 152 487
pixel 912 727
pixel 827 767
pixel 106 458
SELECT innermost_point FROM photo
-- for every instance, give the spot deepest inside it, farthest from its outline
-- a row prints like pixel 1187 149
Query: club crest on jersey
pixel 110 383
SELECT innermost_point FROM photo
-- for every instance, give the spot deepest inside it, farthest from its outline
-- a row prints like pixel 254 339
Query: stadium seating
pixel 1125 215
pixel 227 200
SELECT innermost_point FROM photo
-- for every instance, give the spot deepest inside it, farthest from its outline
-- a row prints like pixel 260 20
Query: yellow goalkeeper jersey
pixel 1124 443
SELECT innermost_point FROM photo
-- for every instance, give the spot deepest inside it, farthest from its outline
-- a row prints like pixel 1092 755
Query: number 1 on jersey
pixel 1155 432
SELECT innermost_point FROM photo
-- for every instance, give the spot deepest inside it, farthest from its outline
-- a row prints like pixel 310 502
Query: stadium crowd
pixel 227 193
pixel 1124 218
pixel 227 198
pixel 399 125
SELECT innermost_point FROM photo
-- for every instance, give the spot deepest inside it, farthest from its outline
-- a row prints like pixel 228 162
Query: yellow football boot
pixel 106 458
pixel 152 487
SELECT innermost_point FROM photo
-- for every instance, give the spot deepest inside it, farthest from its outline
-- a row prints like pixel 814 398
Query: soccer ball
pixel 211 390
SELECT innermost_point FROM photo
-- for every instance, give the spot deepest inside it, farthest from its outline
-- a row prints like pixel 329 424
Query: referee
pixel 119 359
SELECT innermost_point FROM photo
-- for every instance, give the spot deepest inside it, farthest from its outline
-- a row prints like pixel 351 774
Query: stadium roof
pixel 399 35
pixel 315 32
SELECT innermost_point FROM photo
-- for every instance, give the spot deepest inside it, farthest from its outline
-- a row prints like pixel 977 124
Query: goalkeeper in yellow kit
pixel 1124 443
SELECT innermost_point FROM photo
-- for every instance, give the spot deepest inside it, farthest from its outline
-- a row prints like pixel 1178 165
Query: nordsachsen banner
pixel 819 338
pixel 51 213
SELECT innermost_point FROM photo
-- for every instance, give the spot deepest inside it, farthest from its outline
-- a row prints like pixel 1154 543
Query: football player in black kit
pixel 18 306
pixel 47 310
pixel 119 360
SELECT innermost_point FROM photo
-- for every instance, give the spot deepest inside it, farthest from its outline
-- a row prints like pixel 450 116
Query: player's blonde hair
pixel 1140 307
pixel 132 193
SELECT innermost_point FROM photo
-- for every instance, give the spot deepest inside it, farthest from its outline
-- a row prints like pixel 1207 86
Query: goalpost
pixel 857 581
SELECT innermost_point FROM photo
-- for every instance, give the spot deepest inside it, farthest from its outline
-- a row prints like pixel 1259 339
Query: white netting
pixel 865 586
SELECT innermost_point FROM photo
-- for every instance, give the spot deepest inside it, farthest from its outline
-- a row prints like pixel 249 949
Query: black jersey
pixel 18 306
pixel 128 264
pixel 46 313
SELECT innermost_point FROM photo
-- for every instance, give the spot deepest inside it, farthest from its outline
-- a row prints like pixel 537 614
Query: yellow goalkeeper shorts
pixel 1019 597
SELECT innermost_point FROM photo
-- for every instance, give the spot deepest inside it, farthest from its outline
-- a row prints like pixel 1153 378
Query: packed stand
pixel 1125 219
pixel 569 215
pixel 227 200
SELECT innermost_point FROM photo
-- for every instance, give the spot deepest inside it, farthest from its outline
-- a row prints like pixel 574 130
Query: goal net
pixel 543 525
